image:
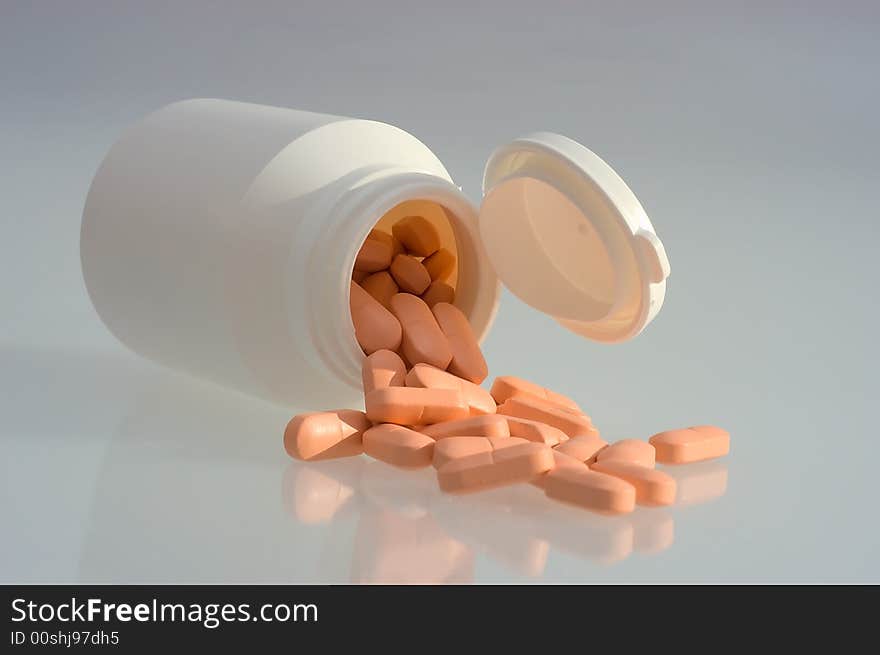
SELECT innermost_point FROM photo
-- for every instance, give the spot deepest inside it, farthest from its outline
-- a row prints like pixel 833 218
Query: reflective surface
pixel 135 474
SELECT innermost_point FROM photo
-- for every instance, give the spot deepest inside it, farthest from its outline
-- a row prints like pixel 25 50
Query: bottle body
pixel 218 238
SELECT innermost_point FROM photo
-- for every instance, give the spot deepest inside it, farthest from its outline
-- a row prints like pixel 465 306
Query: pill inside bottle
pixel 437 249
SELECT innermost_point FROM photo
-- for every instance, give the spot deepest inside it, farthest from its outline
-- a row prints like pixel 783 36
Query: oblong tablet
pixel 374 255
pixel 467 359
pixel 535 409
pixel 425 375
pixel 652 487
pixel 499 443
pixel 409 274
pixel 399 446
pixel 691 445
pixel 386 237
pixel 501 467
pixel 508 386
pixel 422 340
pixel 560 461
pixel 417 234
pixel 381 286
pixel 414 406
pixel 323 435
pixel 633 451
pixel 583 449
pixel 488 425
pixel 446 450
pixel 384 368
pixel 438 292
pixel 535 431
pixel 440 265
pixel 375 328
pixel 593 490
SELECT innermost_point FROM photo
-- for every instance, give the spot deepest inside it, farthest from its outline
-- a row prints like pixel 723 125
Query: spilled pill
pixel 467 359
pixel 508 386
pixel 399 446
pixel 477 398
pixel 418 235
pixel 560 461
pixel 500 467
pixel 633 451
pixel 488 425
pixel 583 449
pixel 535 431
pixel 691 445
pixel 415 406
pixel 375 328
pixel 652 487
pixel 536 409
pixel 422 338
pixel 445 450
pixel 409 274
pixel 383 368
pixel 323 435
pixel 593 490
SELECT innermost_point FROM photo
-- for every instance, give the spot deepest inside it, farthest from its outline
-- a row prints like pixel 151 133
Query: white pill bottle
pixel 219 238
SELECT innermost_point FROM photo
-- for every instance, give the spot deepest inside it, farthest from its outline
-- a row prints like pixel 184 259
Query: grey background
pixel 748 131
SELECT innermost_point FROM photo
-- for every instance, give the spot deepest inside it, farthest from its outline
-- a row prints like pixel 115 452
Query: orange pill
pixel 374 255
pixel 560 461
pixel 381 286
pixel 384 368
pixel 501 467
pixel 438 292
pixel 381 235
pixel 423 340
pixel 323 435
pixel 652 487
pixel 446 450
pixel 488 425
pixel 399 446
pixel 536 409
pixel 375 328
pixel 505 442
pixel 409 274
pixel 508 386
pixel 440 265
pixel 633 451
pixel 535 431
pixel 691 444
pixel 467 359
pixel 583 449
pixel 593 490
pixel 418 235
pixel 414 406
pixel 425 375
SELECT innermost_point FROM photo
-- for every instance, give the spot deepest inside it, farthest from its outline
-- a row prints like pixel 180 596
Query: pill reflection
pixel 317 493
pixel 699 483
pixel 393 549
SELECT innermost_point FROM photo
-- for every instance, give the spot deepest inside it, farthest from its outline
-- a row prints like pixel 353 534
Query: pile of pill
pixel 425 406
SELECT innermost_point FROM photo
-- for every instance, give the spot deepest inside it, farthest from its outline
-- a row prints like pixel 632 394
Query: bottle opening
pixel 450 274
pixel 379 204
